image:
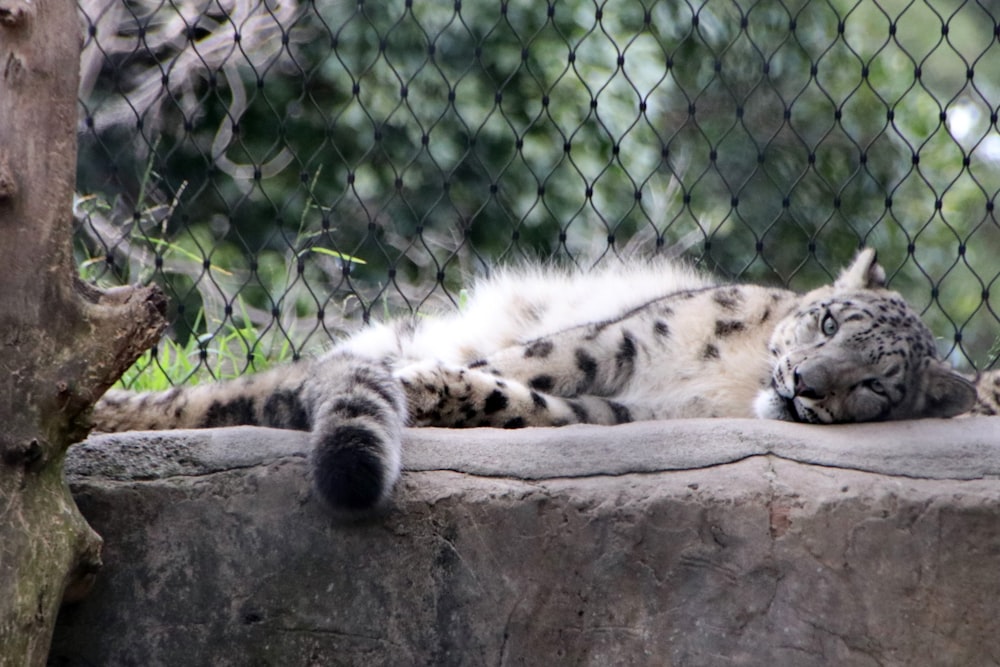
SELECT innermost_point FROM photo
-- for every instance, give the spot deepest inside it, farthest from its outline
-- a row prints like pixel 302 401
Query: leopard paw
pixel 438 394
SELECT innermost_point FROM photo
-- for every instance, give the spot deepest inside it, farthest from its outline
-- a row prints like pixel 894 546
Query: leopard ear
pixel 946 392
pixel 864 272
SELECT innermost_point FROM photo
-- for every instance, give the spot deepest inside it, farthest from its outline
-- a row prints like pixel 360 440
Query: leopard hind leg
pixel 352 406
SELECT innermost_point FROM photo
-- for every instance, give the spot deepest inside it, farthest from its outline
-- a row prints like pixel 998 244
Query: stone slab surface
pixel 702 542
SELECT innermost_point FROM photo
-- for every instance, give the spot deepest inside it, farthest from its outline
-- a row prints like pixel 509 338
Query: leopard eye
pixel 876 387
pixel 828 325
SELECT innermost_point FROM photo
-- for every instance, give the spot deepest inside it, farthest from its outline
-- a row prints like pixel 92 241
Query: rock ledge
pixel 691 542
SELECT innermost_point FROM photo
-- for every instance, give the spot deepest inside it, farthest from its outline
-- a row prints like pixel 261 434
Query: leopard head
pixel 854 351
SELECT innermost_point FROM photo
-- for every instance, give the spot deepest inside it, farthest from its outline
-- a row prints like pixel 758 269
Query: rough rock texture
pixel 684 543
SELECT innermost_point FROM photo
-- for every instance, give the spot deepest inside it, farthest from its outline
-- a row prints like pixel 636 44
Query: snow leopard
pixel 538 347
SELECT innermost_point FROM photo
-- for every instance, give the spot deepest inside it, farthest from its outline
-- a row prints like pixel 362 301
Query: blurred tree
pixel 270 150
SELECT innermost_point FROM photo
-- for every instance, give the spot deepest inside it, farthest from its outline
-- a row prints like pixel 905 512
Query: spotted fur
pixel 987 394
pixel 547 348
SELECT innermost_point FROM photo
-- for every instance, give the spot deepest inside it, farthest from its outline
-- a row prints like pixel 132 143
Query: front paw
pixel 437 394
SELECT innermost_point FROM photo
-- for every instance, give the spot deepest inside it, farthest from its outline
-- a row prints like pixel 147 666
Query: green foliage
pixel 224 355
pixel 391 149
pixel 993 356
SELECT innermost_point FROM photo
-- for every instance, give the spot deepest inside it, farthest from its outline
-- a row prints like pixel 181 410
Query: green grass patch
pixel 228 353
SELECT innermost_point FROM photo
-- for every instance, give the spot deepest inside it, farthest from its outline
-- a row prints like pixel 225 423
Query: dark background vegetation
pixel 288 170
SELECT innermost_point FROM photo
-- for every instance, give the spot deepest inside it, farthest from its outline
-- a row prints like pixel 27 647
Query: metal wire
pixel 290 169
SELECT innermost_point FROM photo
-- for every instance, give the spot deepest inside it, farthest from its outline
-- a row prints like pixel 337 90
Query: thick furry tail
pixel 353 407
pixel 359 413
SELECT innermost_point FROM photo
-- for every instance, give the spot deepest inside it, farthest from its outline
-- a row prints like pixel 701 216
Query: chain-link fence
pixel 287 169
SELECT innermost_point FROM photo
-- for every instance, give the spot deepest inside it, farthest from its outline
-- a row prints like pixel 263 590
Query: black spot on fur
pixel 710 352
pixel 495 402
pixel 237 412
pixel 661 328
pixel 588 366
pixel 283 409
pixel 728 327
pixel 380 385
pixel 622 414
pixel 580 410
pixel 626 351
pixel 728 298
pixel 540 348
pixel 349 474
pixel 594 330
pixel 516 422
pixel 538 400
pixel 113 400
pixel 542 382
pixel 351 407
pixel 478 363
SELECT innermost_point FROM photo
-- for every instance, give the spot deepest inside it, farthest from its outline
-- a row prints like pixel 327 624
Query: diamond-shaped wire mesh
pixel 289 169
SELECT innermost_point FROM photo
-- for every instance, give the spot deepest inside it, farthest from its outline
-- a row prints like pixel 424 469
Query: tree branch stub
pixel 8 186
pixel 14 13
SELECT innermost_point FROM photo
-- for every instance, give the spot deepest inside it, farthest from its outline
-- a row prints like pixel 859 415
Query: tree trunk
pixel 62 343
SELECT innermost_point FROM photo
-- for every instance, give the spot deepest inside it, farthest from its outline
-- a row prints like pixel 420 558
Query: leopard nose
pixel 803 387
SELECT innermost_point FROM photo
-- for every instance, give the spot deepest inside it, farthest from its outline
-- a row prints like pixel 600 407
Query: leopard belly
pixel 670 357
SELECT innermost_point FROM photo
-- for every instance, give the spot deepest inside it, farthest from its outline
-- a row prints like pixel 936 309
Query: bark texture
pixel 62 343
